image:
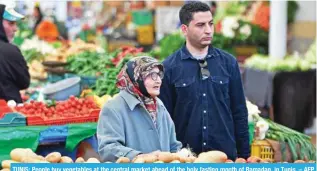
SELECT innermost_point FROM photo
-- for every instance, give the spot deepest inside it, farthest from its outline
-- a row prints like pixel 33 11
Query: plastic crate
pixel 262 149
pixel 13 119
pixel 54 134
pixel 145 34
pixel 142 17
pixel 37 120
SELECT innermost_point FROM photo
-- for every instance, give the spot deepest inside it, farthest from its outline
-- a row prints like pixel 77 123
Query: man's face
pixel 10 27
pixel 200 30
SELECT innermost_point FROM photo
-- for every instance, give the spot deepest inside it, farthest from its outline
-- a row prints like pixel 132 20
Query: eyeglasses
pixel 204 69
pixel 155 75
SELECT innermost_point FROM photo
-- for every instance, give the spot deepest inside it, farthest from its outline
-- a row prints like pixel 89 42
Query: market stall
pixel 73 78
pixel 287 87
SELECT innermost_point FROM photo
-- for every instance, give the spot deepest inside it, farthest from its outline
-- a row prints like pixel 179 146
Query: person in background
pixel 135 122
pixel 202 89
pixel 14 74
pixel 38 16
pixel 213 8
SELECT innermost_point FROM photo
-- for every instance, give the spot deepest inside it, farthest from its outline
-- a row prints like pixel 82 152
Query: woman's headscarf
pixel 131 80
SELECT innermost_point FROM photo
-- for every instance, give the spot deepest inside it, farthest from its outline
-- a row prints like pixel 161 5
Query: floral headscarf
pixel 131 77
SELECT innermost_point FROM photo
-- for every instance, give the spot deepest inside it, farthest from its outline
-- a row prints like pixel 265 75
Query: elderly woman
pixel 135 121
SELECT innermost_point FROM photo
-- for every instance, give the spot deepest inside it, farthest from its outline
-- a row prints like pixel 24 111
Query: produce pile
pixel 107 83
pixel 26 155
pixel 20 155
pixel 300 144
pixel 99 100
pixel 103 67
pixel 34 52
pixel 89 63
pixel 73 107
pixel 72 48
pixel 289 63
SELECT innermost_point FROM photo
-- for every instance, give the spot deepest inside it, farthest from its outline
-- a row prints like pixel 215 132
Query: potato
pixel 53 157
pixel 175 161
pixel 229 161
pixel 166 157
pixel 80 160
pixel 211 157
pixel 7 163
pixel 191 159
pixel 254 159
pixel 92 160
pixel 32 160
pixel 39 157
pixel 217 156
pixel 240 160
pixel 138 160
pixel 17 154
pixel 179 157
pixel 299 161
pixel 176 156
pixel 183 159
pixel 5 169
pixel 158 162
pixel 150 158
pixel 66 159
pixel 202 159
pixel 267 160
pixel 123 160
pixel 30 153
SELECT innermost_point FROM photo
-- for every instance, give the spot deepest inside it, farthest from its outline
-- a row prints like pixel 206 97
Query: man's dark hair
pixel 187 11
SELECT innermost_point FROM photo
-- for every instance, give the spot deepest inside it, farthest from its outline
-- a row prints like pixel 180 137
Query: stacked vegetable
pixel 72 48
pixel 103 66
pixel 289 63
pixel 89 63
pixel 22 155
pixel 26 155
pixel 107 83
pixel 72 107
pixel 300 144
pixel 34 52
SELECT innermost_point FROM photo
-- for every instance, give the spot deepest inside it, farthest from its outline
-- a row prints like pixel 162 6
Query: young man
pixel 14 75
pixel 202 89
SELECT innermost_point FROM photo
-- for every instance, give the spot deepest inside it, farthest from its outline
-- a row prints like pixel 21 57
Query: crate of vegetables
pixel 73 110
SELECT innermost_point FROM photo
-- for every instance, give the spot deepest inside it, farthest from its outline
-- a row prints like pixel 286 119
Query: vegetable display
pixel 26 155
pixel 62 109
pixel 300 144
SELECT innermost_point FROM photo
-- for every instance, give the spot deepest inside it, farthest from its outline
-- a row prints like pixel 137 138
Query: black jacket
pixel 14 74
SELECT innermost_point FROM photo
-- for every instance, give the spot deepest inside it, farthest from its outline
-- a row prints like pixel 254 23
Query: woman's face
pixel 153 82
